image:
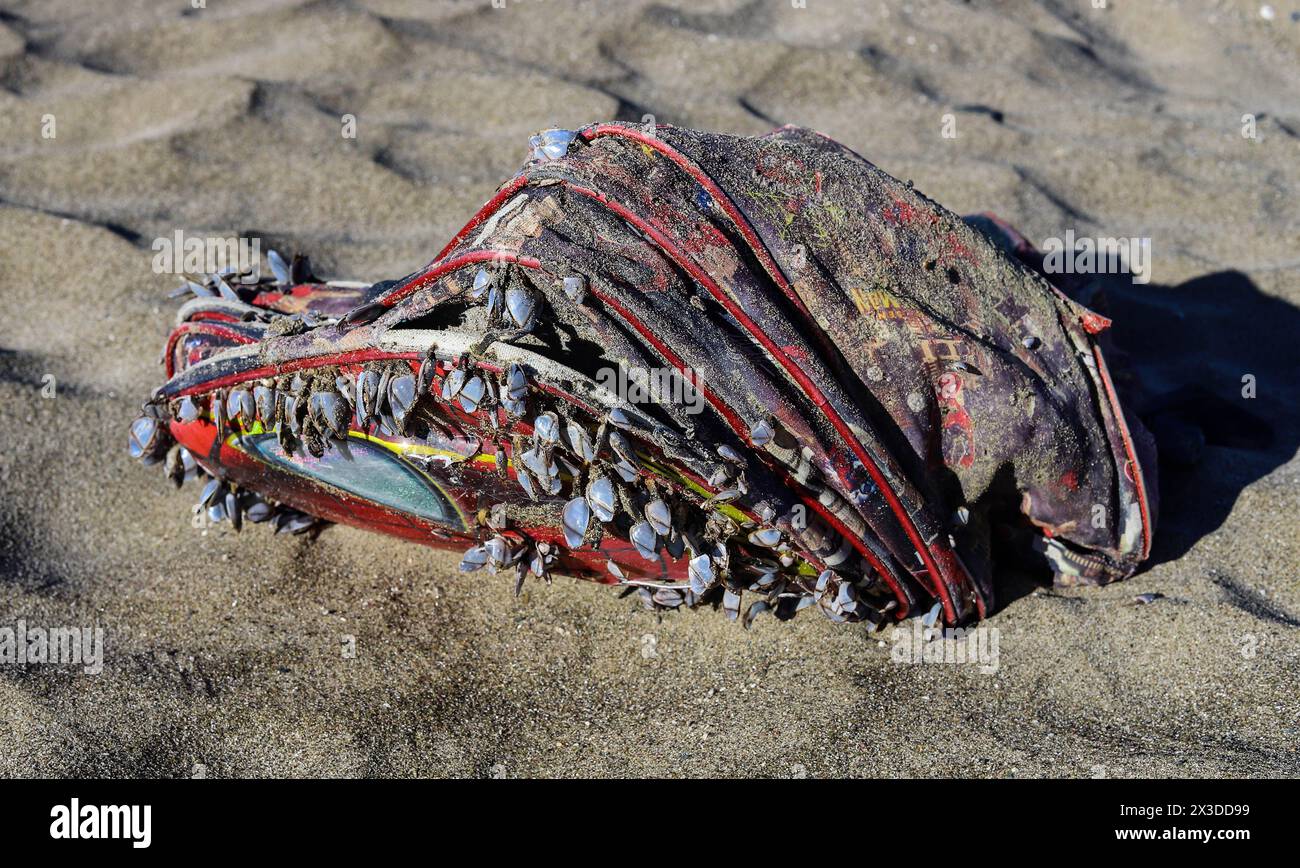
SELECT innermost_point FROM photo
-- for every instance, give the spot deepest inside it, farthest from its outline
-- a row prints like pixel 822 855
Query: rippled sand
pixel 224 652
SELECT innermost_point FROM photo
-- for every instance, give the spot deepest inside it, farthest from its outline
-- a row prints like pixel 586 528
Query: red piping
pixel 434 272
pixel 201 329
pixel 738 425
pixel 724 202
pixel 347 358
pixel 809 387
pixel 214 316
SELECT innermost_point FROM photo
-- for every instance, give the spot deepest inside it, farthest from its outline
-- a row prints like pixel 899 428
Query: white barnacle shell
pixel 547 428
pixel 482 281
pixel 474 559
pixel 471 395
pixel 551 144
pixel 645 539
pixel 602 497
pixel 576 517
pixel 659 516
pixel 522 307
pixel 453 383
pixel 701 573
pixel 575 287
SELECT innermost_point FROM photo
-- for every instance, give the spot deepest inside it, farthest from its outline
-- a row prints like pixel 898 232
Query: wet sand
pixel 224 653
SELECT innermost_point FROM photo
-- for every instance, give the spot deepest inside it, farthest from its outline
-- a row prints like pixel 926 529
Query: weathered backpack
pixel 758 372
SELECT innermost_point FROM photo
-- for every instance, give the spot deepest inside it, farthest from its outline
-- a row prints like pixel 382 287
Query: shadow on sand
pixel 1215 363
pixel 1183 358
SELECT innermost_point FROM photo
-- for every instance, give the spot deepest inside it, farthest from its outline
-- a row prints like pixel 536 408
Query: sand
pixel 225 654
